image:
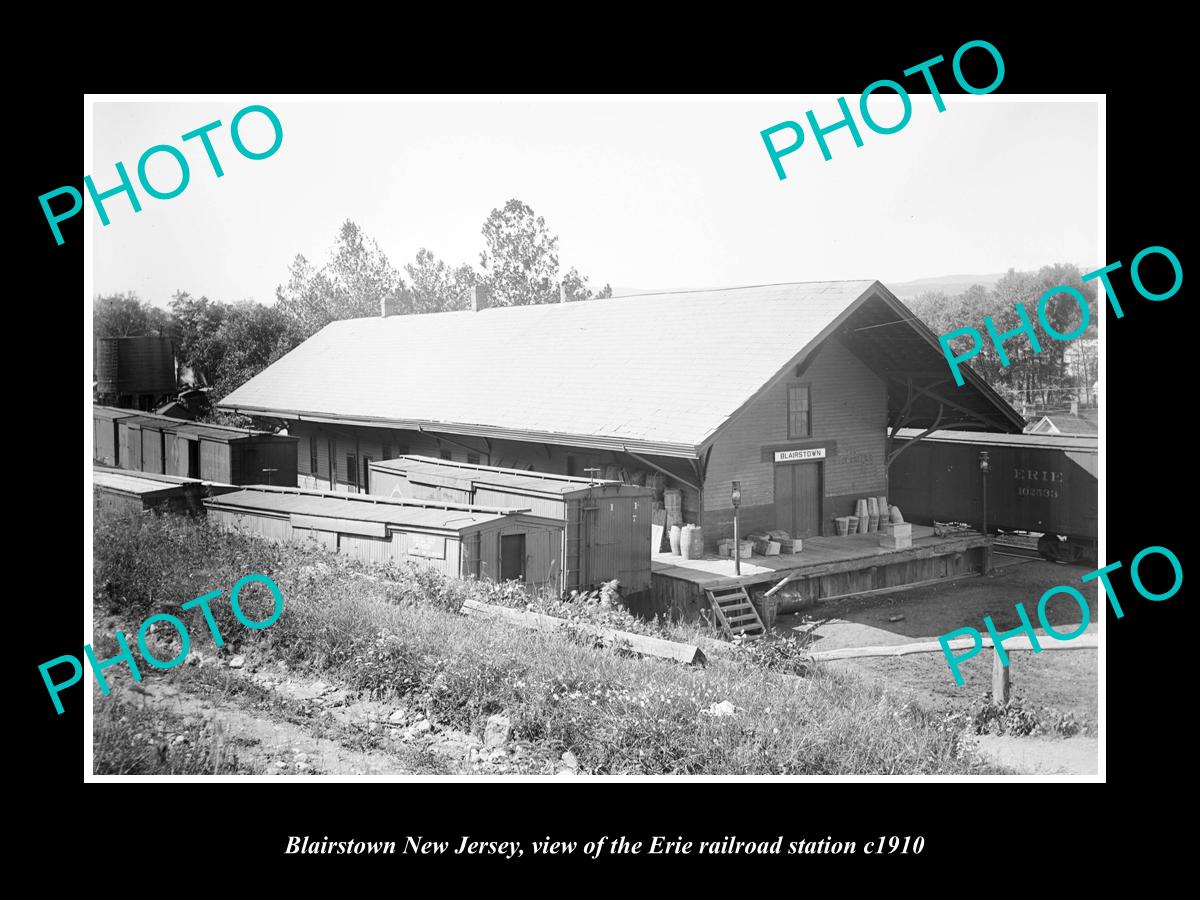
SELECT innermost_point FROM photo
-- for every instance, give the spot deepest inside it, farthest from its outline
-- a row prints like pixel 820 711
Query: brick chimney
pixel 389 306
pixel 1074 406
pixel 479 298
pixel 562 292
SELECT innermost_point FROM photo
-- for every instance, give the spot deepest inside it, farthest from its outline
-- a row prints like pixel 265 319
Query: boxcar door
pixel 798 498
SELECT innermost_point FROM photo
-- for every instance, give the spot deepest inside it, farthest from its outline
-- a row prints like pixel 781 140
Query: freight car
pixel 1035 482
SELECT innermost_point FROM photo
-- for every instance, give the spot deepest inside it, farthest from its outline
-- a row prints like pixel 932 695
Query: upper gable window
pixel 799 412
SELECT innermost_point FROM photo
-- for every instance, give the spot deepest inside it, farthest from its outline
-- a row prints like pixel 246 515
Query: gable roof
pixel 653 373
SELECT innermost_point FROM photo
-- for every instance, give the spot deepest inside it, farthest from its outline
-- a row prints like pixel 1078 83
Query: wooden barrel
pixel 860 509
pixel 691 542
pixel 852 524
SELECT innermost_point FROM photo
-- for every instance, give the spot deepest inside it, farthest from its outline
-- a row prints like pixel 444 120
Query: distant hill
pixel 947 284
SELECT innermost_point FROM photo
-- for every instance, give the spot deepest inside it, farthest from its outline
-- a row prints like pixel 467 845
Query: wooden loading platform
pixel 827 567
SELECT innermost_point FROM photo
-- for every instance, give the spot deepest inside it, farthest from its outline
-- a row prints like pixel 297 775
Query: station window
pixel 473 459
pixel 312 454
pixel 351 469
pixel 446 454
pixel 799 412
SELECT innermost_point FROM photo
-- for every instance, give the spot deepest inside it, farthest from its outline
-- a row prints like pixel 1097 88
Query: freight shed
pixel 168 446
pixel 606 524
pixel 456 539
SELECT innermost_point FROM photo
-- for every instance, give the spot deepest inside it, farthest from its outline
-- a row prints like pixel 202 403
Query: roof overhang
pixel 595 442
pixel 901 348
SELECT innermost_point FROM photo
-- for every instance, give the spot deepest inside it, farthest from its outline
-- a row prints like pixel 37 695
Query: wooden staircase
pixel 736 613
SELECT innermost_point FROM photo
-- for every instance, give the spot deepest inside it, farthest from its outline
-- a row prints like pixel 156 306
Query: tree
pixel 250 337
pixel 197 321
pixel 127 315
pixel 1036 378
pixel 520 264
pixel 350 285
pixel 435 287
pixel 576 287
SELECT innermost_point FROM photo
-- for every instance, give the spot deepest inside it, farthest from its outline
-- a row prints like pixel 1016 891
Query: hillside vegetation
pixel 376 638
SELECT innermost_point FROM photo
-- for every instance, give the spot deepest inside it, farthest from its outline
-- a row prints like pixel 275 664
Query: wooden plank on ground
pixel 688 654
pixel 1083 642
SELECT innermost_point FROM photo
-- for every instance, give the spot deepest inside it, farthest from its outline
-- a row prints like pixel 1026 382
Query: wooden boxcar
pixel 1035 482
pixel 142 443
pixel 163 445
pixel 456 539
pixel 606 524
pixel 232 455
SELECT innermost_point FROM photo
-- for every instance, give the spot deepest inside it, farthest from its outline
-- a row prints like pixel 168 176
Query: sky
pixel 665 195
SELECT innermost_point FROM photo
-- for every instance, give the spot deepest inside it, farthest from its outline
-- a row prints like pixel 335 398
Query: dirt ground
pixel 1064 682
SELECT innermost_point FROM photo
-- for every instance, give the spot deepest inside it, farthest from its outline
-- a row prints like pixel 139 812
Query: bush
pixel 1016 718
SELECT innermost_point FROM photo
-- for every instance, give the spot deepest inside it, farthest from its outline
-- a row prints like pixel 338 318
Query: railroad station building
pixel 788 389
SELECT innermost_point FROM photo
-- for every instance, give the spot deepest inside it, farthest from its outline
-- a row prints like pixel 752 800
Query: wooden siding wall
pixel 152 451
pixel 849 407
pixel 215 464
pixel 450 565
pixel 248 458
pixel 547 507
pixel 551 459
pixel 107 440
pixel 394 548
pixel 543 563
pixel 131 447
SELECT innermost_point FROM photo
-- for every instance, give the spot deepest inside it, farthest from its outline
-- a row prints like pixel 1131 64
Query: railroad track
pixel 1016 550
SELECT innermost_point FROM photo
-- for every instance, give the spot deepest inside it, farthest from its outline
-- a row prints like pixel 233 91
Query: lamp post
pixel 736 498
pixel 984 466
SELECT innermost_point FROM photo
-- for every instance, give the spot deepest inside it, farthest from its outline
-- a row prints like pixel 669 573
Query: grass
pixel 128 740
pixel 395 635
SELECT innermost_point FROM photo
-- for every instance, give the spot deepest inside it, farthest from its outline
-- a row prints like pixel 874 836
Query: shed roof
pixel 129 483
pixel 653 373
pixel 169 423
pixel 1082 443
pixel 468 475
pixel 112 412
pixel 401 513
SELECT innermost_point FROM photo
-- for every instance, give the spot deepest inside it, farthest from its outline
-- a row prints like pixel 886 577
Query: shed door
pixel 798 498
pixel 512 557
